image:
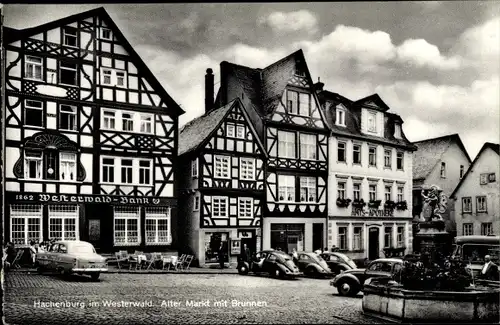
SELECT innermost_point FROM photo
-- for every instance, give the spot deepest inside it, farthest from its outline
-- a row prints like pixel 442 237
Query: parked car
pixel 338 262
pixel 312 264
pixel 275 263
pixel 350 282
pixel 72 256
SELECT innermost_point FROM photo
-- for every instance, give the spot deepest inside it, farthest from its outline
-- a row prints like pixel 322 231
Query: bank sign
pixel 85 198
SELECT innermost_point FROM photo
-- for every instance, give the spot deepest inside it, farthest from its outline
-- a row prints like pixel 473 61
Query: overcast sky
pixel 434 63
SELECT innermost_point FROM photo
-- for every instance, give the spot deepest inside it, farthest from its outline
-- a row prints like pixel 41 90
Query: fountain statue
pixel 431 237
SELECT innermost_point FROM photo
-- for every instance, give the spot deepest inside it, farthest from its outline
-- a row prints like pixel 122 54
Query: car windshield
pixel 475 253
pixel 82 248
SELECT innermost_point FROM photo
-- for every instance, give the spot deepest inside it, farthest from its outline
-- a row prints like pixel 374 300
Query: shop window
pixel 63 222
pixel 158 226
pixel 25 224
pixel 126 225
pixel 286 237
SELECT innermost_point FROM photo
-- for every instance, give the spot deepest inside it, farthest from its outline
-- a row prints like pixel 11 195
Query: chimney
pixel 318 86
pixel 209 90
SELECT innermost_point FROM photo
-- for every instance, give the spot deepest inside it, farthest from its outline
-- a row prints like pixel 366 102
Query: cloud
pixel 250 56
pixel 421 53
pixel 288 22
pixel 480 46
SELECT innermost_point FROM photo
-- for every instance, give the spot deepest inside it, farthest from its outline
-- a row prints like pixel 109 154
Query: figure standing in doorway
pixel 221 255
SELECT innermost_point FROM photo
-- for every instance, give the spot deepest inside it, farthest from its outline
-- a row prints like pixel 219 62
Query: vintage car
pixel 338 262
pixel 350 282
pixel 312 264
pixel 72 256
pixel 275 263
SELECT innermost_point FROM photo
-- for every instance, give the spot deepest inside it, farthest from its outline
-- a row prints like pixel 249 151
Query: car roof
pixel 389 259
pixel 72 242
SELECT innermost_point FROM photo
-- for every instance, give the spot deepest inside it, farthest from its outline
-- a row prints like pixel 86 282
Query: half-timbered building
pixel 91 138
pixel 221 181
pixel 370 177
pixel 294 132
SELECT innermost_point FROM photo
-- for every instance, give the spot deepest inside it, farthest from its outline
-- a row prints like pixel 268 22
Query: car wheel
pixel 243 270
pixel 347 288
pixel 311 271
pixel 95 276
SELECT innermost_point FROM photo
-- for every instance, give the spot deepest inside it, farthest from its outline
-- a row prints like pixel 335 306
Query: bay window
pixel 126 226
pixel 286 144
pixel 286 188
pixel 307 146
pixel 158 226
pixel 219 206
pixel 222 166
pixel 308 189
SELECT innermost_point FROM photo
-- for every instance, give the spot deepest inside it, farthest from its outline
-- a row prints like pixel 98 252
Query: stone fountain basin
pixel 396 304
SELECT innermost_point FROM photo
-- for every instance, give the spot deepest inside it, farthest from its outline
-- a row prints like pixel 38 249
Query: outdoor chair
pixel 166 261
pixel 173 262
pixel 120 260
pixel 154 258
pixel 17 259
pixel 180 262
pixel 187 262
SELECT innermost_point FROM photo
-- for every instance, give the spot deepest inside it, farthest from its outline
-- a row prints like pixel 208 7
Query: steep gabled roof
pixel 197 132
pixel 430 151
pixel 487 145
pixel 12 35
pixel 373 102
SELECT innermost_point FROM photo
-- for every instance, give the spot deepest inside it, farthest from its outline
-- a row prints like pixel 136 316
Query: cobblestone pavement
pixel 281 301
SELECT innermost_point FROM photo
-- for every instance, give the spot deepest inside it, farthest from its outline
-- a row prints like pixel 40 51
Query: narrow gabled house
pixel 293 129
pixel 370 177
pixel 91 138
pixel 221 181
pixel 476 198
pixel 443 162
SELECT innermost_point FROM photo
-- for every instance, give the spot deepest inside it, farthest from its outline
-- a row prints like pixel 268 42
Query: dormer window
pixel 340 116
pixel 372 125
pixel 397 130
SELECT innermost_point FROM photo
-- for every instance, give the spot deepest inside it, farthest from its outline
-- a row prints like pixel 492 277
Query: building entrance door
pixel 318 236
pixel 95 233
pixel 373 243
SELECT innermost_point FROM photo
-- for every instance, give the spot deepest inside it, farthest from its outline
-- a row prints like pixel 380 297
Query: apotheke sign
pixel 84 198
